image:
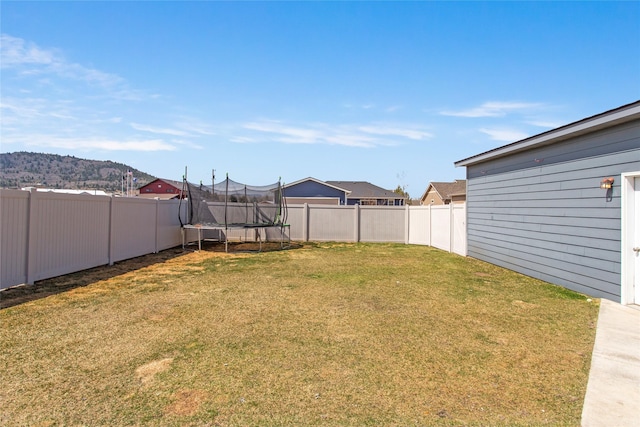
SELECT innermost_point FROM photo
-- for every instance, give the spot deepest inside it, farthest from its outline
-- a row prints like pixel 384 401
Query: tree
pixel 401 190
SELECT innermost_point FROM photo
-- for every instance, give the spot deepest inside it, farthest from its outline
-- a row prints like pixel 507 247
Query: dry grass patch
pixel 344 334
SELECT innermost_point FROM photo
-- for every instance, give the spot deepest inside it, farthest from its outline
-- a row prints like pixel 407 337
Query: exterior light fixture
pixel 606 183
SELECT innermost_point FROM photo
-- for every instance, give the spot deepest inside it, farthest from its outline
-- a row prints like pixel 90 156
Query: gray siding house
pixel 314 191
pixel 311 190
pixel 541 206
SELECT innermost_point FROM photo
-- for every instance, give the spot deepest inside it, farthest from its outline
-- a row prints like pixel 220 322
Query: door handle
pixel 636 249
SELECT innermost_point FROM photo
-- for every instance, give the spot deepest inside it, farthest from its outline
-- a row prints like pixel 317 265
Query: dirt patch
pixel 186 402
pixel 146 373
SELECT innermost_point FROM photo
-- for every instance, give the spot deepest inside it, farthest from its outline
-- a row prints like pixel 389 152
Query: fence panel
pixel 133 228
pixel 168 228
pixel 67 233
pixel 419 225
pixel 459 229
pixel 14 229
pixel 382 224
pixel 441 227
pixel 297 219
pixel 332 223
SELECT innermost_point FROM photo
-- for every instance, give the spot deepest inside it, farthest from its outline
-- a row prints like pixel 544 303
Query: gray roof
pixel 364 190
pixel 604 120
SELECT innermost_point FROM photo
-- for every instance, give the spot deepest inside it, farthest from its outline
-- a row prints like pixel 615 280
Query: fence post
pixel 111 228
pixel 430 221
pixel 157 221
pixel 407 231
pixel 305 223
pixel 356 224
pixel 31 246
pixel 451 226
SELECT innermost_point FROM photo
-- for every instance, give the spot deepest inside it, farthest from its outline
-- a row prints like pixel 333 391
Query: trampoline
pixel 233 210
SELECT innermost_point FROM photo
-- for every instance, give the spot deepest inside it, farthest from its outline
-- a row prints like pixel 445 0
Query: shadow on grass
pixel 56 285
pixel 43 288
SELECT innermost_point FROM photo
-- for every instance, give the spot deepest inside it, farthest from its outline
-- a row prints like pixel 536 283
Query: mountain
pixel 22 169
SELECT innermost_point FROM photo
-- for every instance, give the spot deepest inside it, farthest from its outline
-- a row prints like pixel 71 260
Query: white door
pixel 636 240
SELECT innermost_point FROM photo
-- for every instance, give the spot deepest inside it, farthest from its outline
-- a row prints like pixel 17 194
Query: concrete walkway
pixel 613 390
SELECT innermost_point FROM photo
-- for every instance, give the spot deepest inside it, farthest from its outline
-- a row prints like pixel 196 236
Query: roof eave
pixel 604 120
pixel 317 181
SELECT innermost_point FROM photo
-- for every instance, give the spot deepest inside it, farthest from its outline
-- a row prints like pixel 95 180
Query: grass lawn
pixel 322 334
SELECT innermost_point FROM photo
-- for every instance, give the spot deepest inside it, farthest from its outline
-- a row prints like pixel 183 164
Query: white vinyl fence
pixel 443 227
pixel 45 234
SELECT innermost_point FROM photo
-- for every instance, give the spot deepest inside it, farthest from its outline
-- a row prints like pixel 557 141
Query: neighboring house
pixel 365 193
pixel 161 188
pixel 443 193
pixel 564 205
pixel 314 191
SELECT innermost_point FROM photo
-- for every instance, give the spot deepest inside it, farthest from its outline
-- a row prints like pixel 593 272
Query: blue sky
pixel 387 92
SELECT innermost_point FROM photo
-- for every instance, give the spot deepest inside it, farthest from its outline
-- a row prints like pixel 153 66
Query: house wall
pixel 374 201
pixel 432 194
pixel 542 212
pixel 313 200
pixel 308 189
pixel 159 187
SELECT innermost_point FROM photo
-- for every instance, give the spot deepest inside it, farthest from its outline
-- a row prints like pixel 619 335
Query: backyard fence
pixel 443 227
pixel 45 234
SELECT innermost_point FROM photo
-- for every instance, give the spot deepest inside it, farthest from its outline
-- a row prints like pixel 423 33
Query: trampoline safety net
pixel 233 204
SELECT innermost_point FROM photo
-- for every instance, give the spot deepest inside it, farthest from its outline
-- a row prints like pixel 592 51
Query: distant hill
pixel 24 169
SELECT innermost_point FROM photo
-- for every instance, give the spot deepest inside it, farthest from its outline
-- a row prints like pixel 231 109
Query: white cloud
pixel 197 128
pixel 364 136
pixel 187 143
pixel 32 109
pixel 550 124
pixel 163 131
pixel 89 143
pixel 493 109
pixel 507 135
pixel 30 59
pixel 15 51
pixel 396 131
pixel 243 140
pixel 350 139
pixel 288 134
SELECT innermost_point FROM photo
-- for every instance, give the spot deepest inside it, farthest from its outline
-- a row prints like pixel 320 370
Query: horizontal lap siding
pixel 552 221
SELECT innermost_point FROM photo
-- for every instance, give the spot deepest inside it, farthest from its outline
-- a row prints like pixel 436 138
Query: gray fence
pixel 443 227
pixel 47 234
